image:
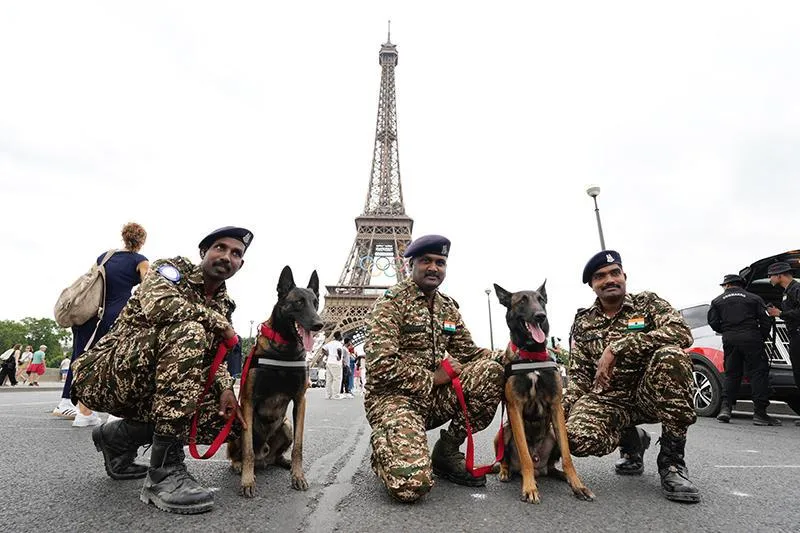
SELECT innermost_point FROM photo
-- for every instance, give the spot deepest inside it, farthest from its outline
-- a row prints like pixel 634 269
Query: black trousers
pixel 345 388
pixel 11 372
pixel 794 356
pixel 750 357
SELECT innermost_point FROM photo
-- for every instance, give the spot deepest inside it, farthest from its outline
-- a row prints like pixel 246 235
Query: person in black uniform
pixel 780 275
pixel 742 318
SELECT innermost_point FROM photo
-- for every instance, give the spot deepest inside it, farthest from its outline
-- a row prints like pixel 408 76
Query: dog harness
pixel 529 361
pixel 279 364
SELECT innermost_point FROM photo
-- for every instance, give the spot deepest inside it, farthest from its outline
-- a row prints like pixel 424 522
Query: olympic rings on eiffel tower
pixel 381 265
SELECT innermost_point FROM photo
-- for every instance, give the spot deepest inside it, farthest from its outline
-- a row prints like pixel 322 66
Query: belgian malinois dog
pixel 278 374
pixel 536 434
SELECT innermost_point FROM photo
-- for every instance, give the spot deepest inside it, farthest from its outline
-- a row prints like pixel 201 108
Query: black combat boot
pixel 449 463
pixel 168 485
pixel 761 418
pixel 119 442
pixel 632 444
pixel 675 482
pixel 724 413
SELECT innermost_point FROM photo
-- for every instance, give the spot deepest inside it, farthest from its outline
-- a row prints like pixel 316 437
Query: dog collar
pixel 264 362
pixel 271 334
pixel 530 356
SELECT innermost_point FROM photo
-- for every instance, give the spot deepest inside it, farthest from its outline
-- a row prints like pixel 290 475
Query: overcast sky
pixel 186 116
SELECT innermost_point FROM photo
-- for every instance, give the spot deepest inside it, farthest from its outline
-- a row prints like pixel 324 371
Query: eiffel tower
pixel 383 231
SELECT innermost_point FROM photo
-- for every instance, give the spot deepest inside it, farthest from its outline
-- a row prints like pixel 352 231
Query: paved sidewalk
pixel 43 385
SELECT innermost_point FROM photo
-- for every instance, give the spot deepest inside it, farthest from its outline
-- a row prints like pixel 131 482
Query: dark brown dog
pixel 278 375
pixel 536 435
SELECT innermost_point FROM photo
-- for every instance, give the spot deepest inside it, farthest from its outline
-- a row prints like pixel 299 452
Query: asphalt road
pixel 53 480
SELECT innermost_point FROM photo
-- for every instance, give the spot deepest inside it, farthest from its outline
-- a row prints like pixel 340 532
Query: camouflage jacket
pixel 162 300
pixel 406 341
pixel 644 324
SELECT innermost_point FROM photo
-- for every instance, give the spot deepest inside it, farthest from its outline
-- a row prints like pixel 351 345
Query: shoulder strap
pixel 102 308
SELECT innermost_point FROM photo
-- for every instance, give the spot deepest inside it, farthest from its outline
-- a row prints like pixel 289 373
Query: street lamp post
pixel 251 328
pixel 594 192
pixel 489 305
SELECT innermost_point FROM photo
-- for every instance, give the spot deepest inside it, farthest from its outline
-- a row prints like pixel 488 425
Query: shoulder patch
pixel 170 272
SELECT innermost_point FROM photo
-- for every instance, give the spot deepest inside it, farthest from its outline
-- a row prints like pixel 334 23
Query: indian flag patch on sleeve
pixel 449 327
pixel 636 323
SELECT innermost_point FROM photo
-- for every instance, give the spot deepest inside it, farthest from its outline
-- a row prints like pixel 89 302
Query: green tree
pixel 11 333
pixel 45 331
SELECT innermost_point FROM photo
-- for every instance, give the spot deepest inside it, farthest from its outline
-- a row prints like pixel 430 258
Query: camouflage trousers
pixel 400 454
pixel 156 375
pixel 665 394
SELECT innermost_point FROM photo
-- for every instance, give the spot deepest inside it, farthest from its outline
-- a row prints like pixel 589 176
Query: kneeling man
pixel 411 330
pixel 151 368
pixel 628 367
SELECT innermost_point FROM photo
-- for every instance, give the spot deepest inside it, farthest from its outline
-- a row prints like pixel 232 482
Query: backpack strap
pixel 102 308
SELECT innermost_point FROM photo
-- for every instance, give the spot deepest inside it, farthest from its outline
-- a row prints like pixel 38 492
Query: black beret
pixel 240 234
pixel 734 279
pixel 428 244
pixel 598 261
pixel 778 268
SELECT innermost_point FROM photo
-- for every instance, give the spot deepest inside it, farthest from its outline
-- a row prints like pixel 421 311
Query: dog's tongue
pixel 307 337
pixel 536 332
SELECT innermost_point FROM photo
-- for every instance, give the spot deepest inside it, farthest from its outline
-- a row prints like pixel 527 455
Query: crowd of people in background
pixel 26 366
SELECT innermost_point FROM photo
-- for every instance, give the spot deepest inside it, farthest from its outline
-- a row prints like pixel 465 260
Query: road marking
pixel 741 494
pixel 479 496
pixel 756 466
pixel 21 404
pixel 749 451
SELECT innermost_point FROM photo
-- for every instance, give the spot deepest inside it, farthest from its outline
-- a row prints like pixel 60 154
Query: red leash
pixel 470 458
pixel 224 346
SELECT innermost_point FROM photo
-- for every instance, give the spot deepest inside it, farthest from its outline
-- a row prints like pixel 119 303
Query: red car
pixel 707 348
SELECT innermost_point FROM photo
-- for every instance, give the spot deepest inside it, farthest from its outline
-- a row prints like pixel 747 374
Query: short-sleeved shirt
pixel 65 363
pixel 38 357
pixel 333 350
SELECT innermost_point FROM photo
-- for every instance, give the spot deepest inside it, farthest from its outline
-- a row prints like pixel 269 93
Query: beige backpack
pixel 85 298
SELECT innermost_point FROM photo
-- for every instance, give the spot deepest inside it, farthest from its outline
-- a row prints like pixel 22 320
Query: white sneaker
pixel 82 421
pixel 65 409
pixel 350 395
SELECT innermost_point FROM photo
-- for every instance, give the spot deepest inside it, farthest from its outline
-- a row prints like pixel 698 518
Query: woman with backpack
pixel 124 270
pixel 8 368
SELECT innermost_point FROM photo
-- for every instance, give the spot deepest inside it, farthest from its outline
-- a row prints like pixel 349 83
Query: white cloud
pixel 188 116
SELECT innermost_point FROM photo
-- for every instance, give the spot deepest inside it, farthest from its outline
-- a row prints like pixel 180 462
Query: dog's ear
pixel 503 295
pixel 286 282
pixel 313 283
pixel 542 291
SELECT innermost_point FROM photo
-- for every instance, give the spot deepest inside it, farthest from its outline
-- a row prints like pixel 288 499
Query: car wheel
pixel 708 391
pixel 794 403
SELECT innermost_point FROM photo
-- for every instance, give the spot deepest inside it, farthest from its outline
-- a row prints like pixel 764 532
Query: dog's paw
pixel 530 495
pixel 505 474
pixel 236 466
pixel 248 488
pixel 582 492
pixel 299 482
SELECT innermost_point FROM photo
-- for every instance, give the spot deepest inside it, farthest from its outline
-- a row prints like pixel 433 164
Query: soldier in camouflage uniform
pixel 152 366
pixel 627 367
pixel 412 328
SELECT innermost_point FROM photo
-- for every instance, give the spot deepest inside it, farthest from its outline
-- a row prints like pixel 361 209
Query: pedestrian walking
pixel 37 366
pixel 333 367
pixel 8 365
pixel 124 270
pixel 65 368
pixel 24 361
pixel 741 317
